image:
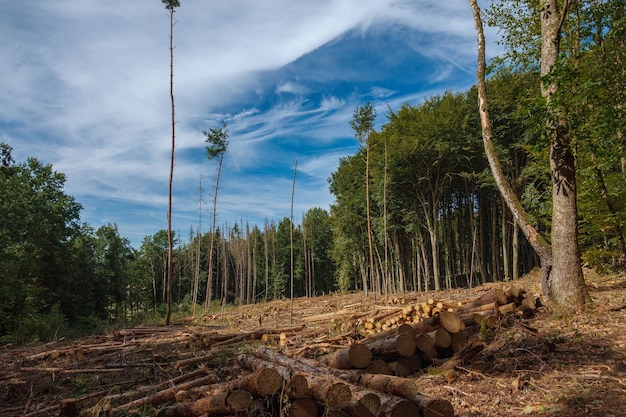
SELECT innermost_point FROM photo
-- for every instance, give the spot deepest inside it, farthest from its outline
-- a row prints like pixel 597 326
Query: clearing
pixel 535 364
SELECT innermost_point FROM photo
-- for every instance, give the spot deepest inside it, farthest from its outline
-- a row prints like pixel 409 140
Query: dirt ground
pixel 543 365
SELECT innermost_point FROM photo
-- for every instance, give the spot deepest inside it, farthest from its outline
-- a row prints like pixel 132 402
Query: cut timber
pixel 263 382
pixel 493 295
pixel 441 338
pixel 394 406
pixel 426 344
pixel 192 361
pixel 451 321
pixel 507 308
pixel 167 394
pixel 407 388
pixel 364 403
pixel 296 386
pixel 393 346
pixel 464 355
pixel 220 402
pixel 303 407
pixel 356 356
pixel 379 366
pixel 458 340
pixel 406 366
pixel 329 391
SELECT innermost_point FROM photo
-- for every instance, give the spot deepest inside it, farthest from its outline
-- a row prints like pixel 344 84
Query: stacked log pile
pixel 371 376
pixel 369 370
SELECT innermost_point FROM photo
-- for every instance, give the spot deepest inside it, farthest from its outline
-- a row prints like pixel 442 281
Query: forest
pixel 416 208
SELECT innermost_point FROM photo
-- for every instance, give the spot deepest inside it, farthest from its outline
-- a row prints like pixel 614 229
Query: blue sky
pixel 85 87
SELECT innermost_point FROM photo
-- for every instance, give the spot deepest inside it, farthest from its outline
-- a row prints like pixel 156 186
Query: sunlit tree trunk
pixel 566 284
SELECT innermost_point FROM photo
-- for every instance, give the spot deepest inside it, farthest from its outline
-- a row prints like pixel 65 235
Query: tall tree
pixel 363 125
pixel 170 5
pixel 566 284
pixel 562 279
pixel 217 145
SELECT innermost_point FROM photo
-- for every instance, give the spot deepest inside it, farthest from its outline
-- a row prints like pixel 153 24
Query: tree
pixel 363 125
pixel 217 140
pixel 562 279
pixel 39 221
pixel 170 5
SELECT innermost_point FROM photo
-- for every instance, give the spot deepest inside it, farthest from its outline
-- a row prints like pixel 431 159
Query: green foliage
pixel 171 4
pixel 217 140
pixel 363 122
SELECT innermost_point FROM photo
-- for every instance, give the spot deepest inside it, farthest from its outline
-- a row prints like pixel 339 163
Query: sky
pixel 84 86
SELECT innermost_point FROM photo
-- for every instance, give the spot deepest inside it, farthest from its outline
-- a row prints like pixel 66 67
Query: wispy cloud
pixel 85 88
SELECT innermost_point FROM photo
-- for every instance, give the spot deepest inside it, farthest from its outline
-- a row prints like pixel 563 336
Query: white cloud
pixel 85 87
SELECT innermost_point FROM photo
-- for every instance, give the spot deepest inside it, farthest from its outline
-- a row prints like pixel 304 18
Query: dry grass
pixel 545 365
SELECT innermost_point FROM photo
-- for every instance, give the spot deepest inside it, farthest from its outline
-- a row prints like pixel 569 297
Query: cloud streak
pixel 85 88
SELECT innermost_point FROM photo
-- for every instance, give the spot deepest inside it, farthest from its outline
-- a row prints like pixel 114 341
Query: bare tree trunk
pixel 566 285
pixel 170 244
pixel 537 241
pixel 370 239
pixel 209 281
pixel 505 245
pixel 196 275
pixel 293 191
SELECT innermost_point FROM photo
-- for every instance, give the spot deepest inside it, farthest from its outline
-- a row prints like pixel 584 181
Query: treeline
pixel 416 207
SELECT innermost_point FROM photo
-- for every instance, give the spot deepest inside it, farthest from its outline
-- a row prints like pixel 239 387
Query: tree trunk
pixel 565 286
pixel 541 247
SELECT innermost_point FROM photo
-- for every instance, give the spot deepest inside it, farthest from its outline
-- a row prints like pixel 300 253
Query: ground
pixel 542 365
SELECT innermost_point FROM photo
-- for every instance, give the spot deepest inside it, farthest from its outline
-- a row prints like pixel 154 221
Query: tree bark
pixel 539 244
pixel 566 286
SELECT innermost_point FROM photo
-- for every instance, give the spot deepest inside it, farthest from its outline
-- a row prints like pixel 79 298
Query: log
pixel 165 395
pixel 393 346
pixel 329 391
pixel 357 356
pixel 393 385
pixel 219 402
pixel 406 366
pixel 450 321
pixel 441 338
pixel 192 361
pixel 303 407
pixel 426 344
pixel 296 384
pixel 493 295
pixel 458 340
pixel 262 382
pixel 365 403
pixel 394 406
pixel 467 353
pixel 379 366
pixel 406 388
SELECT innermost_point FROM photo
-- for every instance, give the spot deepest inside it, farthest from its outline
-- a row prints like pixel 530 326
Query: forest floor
pixel 542 365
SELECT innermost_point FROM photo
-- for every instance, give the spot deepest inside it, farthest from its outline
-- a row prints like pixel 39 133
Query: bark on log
pixel 394 406
pixel 392 347
pixel 329 391
pixel 219 402
pixel 303 407
pixel 493 295
pixel 262 382
pixel 379 366
pixel 464 355
pixel 407 388
pixel 393 385
pixel 296 384
pixel 364 404
pixel 451 321
pixel 406 366
pixel 357 356
pixel 165 395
